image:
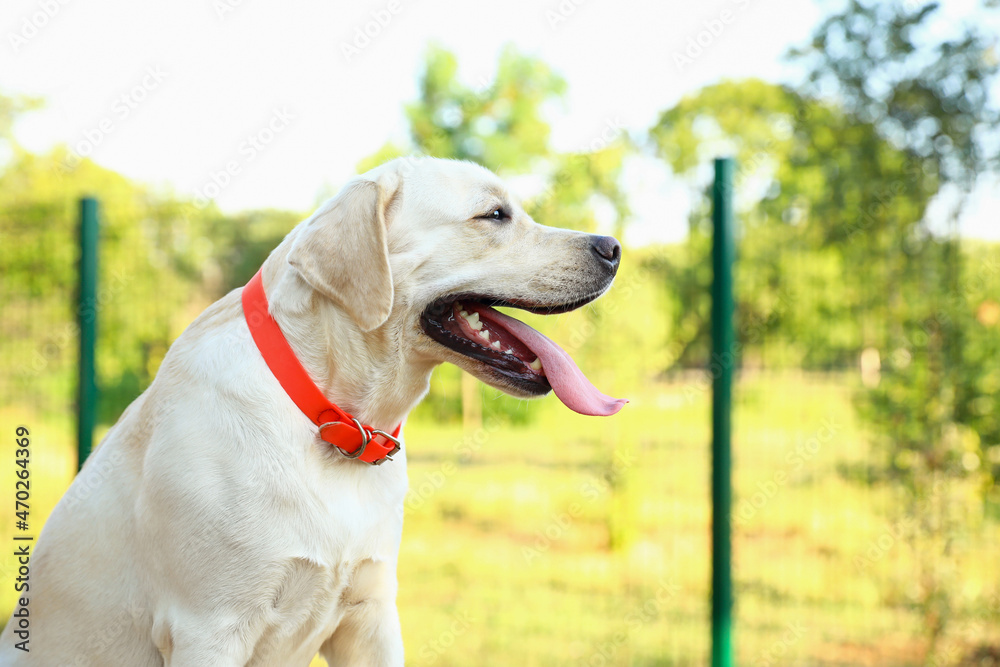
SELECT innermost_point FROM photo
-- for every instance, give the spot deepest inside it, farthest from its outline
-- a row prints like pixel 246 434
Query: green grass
pixel 585 541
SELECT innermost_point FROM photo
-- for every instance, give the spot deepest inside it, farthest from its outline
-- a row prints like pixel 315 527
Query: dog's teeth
pixel 472 319
pixel 536 364
pixel 495 345
pixel 484 334
pixel 509 350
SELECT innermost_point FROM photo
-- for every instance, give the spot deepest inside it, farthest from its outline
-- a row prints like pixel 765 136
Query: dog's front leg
pixel 199 656
pixel 200 659
pixel 368 634
pixel 196 645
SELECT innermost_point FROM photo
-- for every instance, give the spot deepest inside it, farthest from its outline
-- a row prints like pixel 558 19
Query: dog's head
pixel 429 247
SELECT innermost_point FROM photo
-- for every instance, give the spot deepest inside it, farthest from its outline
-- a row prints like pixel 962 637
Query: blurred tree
pixel 500 124
pixel 239 244
pixel 820 194
pixel 142 296
pixel 162 261
pixel 10 109
pixel 838 254
pixel 579 184
pixel 923 82
pixel 921 79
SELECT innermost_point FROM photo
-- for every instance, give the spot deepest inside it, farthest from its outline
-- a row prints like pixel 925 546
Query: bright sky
pixel 291 95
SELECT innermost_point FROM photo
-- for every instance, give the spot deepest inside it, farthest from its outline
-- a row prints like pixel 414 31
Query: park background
pixel 867 417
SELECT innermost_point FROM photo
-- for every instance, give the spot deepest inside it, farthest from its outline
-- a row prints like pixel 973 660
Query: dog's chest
pixel 308 594
pixel 345 550
pixel 303 606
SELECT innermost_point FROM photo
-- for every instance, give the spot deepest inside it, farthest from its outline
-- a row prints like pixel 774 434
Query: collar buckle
pixel 392 452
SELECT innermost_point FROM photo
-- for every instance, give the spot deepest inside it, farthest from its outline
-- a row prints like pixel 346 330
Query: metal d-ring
pixel 365 439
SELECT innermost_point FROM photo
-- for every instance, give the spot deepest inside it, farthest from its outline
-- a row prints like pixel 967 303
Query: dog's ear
pixel 342 251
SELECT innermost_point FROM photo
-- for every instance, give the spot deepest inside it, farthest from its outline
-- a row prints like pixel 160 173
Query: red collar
pixel 352 438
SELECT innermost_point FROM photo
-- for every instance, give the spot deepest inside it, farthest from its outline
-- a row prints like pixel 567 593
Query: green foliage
pixel 499 125
pixel 578 182
pixel 162 261
pixel 895 67
pixel 10 109
pixel 837 254
pixel 38 215
pixel 818 192
pixel 924 84
pixel 977 400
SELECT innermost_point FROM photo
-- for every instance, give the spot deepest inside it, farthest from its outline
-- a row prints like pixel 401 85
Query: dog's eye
pixel 496 214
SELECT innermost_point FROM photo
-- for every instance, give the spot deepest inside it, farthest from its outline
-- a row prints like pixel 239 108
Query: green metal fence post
pixel 87 318
pixel 722 362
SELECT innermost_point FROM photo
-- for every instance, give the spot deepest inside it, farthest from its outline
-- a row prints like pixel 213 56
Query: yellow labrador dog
pixel 214 526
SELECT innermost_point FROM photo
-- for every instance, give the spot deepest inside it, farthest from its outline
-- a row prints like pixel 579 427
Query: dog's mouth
pixel 522 359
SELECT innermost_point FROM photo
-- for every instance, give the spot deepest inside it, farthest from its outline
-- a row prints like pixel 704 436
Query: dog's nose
pixel 607 249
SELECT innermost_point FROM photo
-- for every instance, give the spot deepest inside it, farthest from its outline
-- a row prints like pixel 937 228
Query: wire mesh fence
pixel 865 526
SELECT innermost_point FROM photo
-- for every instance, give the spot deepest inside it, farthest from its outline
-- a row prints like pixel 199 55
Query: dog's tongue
pixel 567 380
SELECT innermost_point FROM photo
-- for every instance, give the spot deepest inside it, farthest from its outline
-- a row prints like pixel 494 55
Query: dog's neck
pixel 364 373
